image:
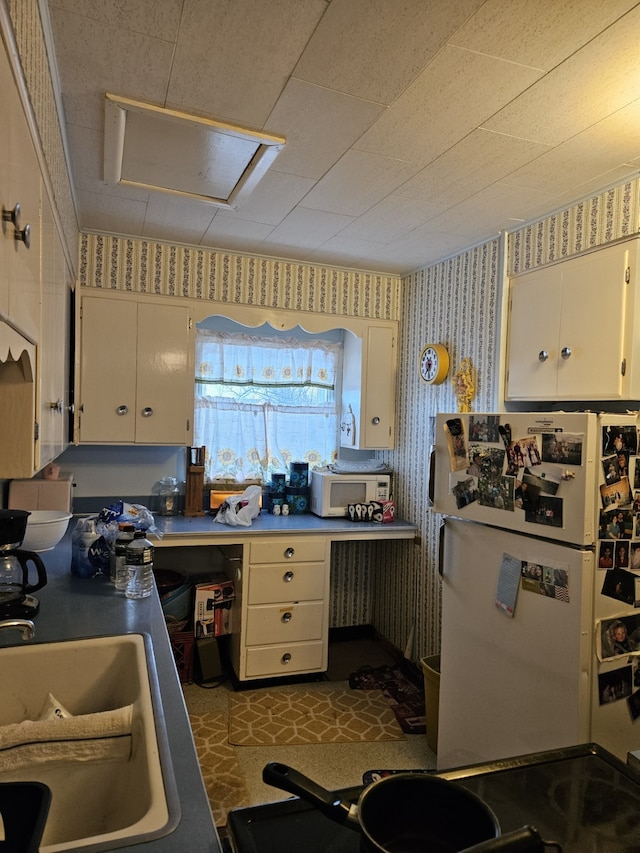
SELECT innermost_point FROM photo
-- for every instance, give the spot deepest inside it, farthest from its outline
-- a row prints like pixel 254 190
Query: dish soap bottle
pixel 139 557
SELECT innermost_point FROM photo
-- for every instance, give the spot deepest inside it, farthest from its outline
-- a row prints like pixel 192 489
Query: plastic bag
pixel 240 510
pixel 90 552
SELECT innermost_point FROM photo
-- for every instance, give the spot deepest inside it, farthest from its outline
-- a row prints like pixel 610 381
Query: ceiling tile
pixel 391 218
pixel 307 228
pixel 319 125
pixel 95 58
pixel 616 139
pixel 595 82
pixel 373 49
pixel 479 160
pixel 274 197
pixel 540 35
pixel 232 61
pixel 167 216
pixel 110 214
pixel 457 92
pixel 357 182
pixel 157 18
pixel 235 234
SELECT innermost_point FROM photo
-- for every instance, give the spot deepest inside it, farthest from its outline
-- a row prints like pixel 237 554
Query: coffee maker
pixel 15 590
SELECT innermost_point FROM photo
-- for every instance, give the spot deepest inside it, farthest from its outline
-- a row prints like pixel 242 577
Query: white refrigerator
pixel 540 583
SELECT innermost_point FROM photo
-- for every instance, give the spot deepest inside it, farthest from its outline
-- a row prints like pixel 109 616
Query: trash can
pixel 431 672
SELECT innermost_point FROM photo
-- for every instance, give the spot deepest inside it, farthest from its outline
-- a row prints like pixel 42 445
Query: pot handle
pixel 290 780
pixel 25 557
pixel 525 840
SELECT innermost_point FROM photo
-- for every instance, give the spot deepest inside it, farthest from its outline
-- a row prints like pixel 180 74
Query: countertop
pixel 76 607
pixel 204 530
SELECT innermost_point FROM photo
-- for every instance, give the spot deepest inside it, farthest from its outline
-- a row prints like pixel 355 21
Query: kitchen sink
pixel 105 802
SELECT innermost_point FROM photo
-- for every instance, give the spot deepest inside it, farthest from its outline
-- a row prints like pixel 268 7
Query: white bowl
pixel 45 528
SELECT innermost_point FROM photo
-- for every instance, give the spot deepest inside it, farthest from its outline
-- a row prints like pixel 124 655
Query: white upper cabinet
pixel 369 388
pixel 20 189
pixel 573 329
pixel 135 372
pixel 54 346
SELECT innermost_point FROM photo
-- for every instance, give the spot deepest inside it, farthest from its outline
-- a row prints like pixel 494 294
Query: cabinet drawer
pixel 271 584
pixel 284 623
pixel 286 659
pixel 288 549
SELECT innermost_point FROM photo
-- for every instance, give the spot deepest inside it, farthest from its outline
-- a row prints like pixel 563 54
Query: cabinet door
pixel 53 374
pixel 591 340
pixel 379 380
pixel 535 300
pixel 20 184
pixel 369 389
pixel 134 367
pixel 163 379
pixel 108 331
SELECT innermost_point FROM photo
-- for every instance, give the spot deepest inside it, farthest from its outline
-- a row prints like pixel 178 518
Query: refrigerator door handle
pixel 432 475
pixel 441 532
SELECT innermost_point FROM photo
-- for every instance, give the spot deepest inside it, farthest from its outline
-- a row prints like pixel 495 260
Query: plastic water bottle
pixel 139 557
pixel 120 574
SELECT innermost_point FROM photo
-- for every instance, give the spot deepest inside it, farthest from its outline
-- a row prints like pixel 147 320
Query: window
pixel 263 401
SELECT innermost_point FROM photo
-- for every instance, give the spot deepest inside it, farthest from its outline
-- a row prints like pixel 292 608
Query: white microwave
pixel 332 493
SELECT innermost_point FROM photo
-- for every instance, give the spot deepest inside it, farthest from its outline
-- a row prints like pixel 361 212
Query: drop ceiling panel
pixel 457 92
pixel 232 60
pixel 601 78
pixel 540 35
pixel 473 164
pixel 362 180
pixel 319 125
pixel 375 49
pixel 386 108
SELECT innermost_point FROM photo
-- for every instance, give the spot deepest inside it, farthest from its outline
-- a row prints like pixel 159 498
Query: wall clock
pixel 434 363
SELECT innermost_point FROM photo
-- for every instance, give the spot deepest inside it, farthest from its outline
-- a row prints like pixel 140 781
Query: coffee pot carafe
pixel 15 588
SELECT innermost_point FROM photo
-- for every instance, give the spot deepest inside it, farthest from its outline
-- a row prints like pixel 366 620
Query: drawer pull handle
pixel 287 616
pixel 287 577
pixel 289 553
pixel 286 658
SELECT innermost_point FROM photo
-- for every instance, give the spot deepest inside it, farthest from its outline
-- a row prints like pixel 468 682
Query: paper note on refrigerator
pixel 508 584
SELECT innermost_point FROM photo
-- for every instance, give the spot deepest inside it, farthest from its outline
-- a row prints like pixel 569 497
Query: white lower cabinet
pixel 282 600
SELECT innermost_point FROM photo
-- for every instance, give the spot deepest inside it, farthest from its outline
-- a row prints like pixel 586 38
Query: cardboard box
pixel 384 511
pixel 213 607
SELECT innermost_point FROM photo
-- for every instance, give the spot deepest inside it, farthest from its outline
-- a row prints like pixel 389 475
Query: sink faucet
pixel 25 626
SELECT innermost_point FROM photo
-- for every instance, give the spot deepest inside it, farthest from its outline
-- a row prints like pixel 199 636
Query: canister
pixel 299 475
pixel 278 485
pixel 298 500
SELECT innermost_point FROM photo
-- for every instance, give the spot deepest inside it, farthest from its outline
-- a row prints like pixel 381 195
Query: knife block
pixel 194 487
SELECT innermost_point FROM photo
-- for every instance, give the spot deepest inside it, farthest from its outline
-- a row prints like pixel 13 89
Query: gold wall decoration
pixel 464 385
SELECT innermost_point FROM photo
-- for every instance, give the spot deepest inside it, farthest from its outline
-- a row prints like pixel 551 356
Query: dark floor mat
pixel 403 687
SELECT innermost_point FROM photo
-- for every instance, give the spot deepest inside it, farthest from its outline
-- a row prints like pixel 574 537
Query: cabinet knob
pixel 565 352
pixel 289 553
pixel 287 616
pixel 287 577
pixel 285 658
pixel 543 355
pixel 375 421
pixel 24 236
pixel 12 216
pixel 56 407
pixel 122 410
pixel 147 412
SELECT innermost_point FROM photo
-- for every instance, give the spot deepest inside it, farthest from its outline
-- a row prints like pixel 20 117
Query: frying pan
pixel 410 813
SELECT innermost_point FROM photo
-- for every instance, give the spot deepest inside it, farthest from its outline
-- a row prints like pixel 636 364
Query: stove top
pixel 582 797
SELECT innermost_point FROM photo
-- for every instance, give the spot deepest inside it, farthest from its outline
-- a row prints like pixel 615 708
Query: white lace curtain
pixel 261 403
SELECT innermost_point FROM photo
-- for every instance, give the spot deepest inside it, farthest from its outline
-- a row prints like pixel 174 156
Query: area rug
pixel 223 779
pixel 306 714
pixel 403 687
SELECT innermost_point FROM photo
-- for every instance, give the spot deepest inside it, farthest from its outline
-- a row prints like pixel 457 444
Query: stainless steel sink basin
pixel 110 802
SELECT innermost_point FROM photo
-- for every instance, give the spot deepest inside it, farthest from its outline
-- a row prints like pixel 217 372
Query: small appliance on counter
pixel 332 492
pixel 16 600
